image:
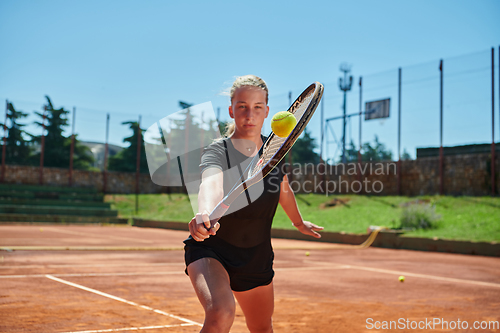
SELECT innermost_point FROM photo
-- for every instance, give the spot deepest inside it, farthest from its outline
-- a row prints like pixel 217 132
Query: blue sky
pixel 132 58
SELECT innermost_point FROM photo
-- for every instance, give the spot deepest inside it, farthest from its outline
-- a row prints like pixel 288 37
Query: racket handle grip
pixel 218 212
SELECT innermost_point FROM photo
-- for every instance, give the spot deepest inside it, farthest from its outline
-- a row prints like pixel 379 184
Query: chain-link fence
pixel 466 112
pixel 463 88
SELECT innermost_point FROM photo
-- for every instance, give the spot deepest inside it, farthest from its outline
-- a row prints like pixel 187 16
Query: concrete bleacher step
pixel 52 202
pixel 56 210
pixel 60 219
pixel 51 195
pixel 47 188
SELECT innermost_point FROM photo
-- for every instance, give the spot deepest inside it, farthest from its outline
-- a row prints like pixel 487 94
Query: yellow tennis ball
pixel 401 278
pixel 307 253
pixel 283 123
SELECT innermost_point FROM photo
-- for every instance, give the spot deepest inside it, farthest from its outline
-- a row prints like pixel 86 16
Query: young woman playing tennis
pixel 235 257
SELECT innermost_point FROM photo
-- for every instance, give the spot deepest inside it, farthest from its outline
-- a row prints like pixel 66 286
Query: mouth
pixel 248 126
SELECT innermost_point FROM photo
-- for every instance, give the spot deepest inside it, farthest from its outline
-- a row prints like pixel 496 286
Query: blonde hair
pixel 245 80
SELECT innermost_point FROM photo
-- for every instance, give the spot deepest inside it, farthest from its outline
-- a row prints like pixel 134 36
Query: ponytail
pixel 229 130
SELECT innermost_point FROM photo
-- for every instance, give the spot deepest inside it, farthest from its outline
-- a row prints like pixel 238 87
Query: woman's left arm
pixel 289 204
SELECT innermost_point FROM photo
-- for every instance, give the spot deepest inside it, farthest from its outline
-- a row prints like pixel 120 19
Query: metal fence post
pixel 441 157
pixel 290 159
pixel 360 175
pixel 399 133
pixel 4 141
pixel 42 146
pixel 72 149
pixel 138 165
pixel 492 121
pixel 105 166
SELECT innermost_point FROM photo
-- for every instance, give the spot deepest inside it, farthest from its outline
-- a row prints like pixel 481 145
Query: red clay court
pixel 85 278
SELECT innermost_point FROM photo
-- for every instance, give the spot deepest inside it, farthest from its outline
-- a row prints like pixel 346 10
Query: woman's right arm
pixel 210 194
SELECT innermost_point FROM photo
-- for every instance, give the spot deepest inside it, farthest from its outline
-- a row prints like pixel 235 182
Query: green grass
pixel 462 218
pixel 160 207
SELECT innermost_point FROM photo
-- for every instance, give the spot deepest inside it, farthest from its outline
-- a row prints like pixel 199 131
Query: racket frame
pixel 255 177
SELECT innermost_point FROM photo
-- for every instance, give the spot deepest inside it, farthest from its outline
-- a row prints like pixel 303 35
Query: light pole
pixel 345 85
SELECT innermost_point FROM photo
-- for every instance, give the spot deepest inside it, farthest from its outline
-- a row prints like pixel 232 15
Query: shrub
pixel 419 216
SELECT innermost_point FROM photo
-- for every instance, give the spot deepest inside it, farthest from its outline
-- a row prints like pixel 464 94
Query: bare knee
pixel 261 327
pixel 219 318
pixel 211 283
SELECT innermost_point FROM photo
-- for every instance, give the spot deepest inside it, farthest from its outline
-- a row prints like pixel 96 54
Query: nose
pixel 250 113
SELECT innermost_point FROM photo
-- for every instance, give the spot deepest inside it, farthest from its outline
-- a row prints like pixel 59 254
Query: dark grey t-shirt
pixel 248 221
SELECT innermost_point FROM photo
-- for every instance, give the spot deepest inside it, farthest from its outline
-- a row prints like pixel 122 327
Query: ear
pixel 231 114
pixel 267 112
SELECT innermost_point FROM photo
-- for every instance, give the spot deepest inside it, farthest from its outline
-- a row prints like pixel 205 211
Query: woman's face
pixel 248 109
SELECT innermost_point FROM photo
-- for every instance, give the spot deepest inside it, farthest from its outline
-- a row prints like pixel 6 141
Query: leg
pixel 258 306
pixel 211 284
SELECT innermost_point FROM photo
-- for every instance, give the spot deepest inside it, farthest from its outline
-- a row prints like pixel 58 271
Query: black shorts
pixel 247 268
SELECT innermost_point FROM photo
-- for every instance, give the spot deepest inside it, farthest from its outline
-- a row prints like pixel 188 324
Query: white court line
pixel 93 265
pixel 309 268
pixel 89 274
pixel 87 248
pixel 325 265
pixel 96 235
pixel 122 300
pixel 131 328
pixel 425 276
pixel 156 273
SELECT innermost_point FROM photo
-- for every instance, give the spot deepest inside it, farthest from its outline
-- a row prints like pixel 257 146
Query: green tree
pixel 351 153
pixel 222 127
pixel 126 160
pixel 17 150
pixel 83 159
pixel 377 152
pixel 303 149
pixel 405 156
pixel 188 134
pixel 57 146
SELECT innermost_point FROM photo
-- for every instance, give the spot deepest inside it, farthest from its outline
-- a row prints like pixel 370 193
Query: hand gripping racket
pixel 273 150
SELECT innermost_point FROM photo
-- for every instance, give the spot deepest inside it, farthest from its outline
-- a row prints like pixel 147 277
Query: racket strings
pixel 298 109
pixel 271 150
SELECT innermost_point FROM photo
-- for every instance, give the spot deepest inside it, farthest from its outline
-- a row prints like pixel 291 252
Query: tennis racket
pixel 273 150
